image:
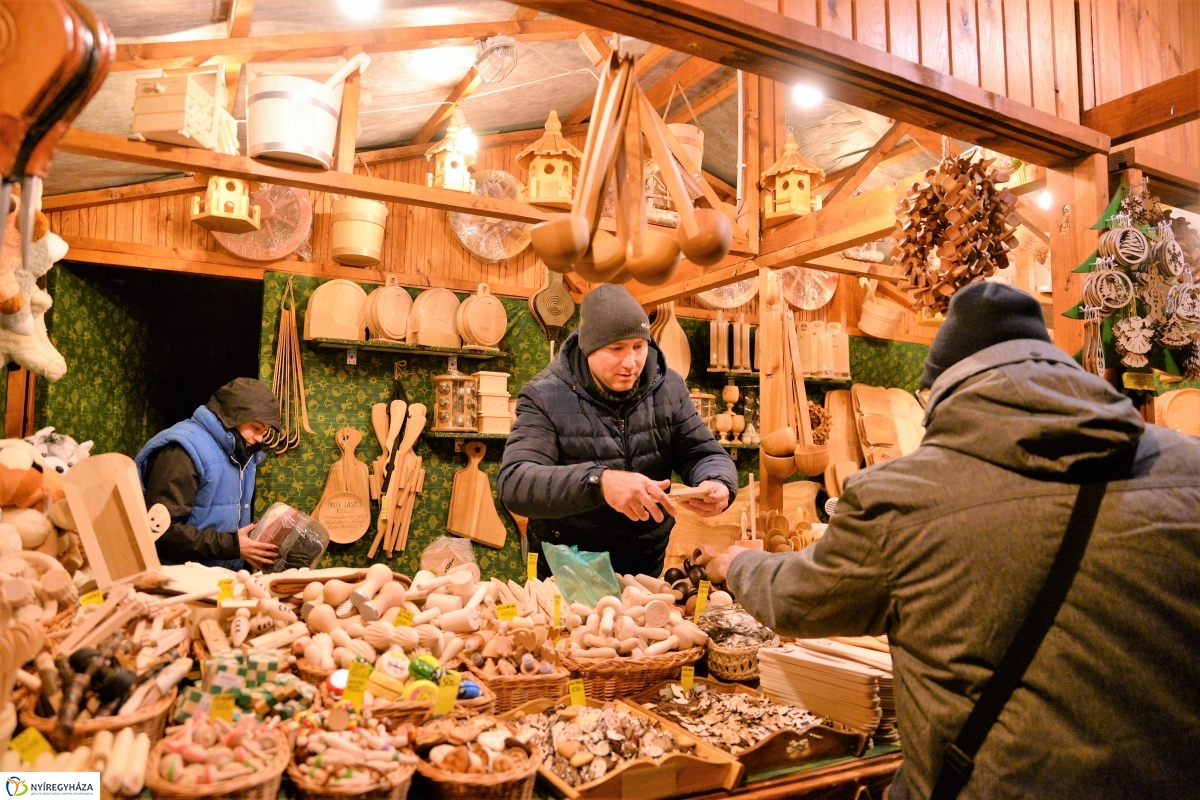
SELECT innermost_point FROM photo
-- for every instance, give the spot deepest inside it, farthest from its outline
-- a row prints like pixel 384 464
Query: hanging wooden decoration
pixel 954 230
pixel 1133 341
pixel 1168 253
pixel 1124 242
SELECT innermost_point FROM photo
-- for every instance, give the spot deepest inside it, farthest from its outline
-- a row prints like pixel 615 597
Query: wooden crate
pixel 177 109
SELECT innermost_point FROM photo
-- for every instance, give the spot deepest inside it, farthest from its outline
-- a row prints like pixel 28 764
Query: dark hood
pixel 245 400
pixel 1027 406
pixel 572 367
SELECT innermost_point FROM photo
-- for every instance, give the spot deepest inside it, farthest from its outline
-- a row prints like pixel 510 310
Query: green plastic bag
pixel 582 577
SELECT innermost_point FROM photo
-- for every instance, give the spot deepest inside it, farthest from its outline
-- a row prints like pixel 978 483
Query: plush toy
pixel 42 256
pixel 11 299
pixel 59 451
pixel 34 352
pixel 25 482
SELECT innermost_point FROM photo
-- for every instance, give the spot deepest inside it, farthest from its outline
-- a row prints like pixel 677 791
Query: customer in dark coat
pixel 597 436
pixel 203 470
pixel 945 549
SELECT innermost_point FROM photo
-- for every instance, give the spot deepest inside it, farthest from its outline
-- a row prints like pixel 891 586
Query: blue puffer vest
pixel 225 495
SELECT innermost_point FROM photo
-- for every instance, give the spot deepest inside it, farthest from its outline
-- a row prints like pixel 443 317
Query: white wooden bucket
pixel 691 139
pixel 358 231
pixel 292 119
pixel 880 318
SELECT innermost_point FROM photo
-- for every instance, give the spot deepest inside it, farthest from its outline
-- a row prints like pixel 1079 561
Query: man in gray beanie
pixel 597 436
pixel 946 549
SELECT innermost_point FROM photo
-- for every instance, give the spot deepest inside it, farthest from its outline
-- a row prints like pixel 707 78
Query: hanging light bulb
pixel 468 142
pixel 1044 199
pixel 359 9
pixel 807 96
pixel 497 58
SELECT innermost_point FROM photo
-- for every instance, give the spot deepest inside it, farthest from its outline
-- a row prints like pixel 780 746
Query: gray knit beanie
pixel 610 314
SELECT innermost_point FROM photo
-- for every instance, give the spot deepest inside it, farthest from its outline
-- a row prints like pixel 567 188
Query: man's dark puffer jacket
pixel 567 434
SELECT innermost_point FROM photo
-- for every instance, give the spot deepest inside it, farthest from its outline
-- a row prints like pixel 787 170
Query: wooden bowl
pixel 712 240
pixel 561 240
pixel 778 467
pixel 780 444
pixel 812 460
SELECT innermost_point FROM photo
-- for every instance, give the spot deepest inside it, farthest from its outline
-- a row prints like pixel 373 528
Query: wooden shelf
pixel 385 346
pixel 737 445
pixel 466 435
pixel 755 375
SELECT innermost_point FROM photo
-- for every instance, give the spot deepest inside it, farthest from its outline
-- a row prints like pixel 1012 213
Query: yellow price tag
pixel 31 744
pixel 447 692
pixel 687 678
pixel 95 598
pixel 356 683
pixel 702 597
pixel 222 707
pixel 558 610
pixel 224 590
pixel 506 611
pixel 578 693
pixel 531 566
pixel 405 617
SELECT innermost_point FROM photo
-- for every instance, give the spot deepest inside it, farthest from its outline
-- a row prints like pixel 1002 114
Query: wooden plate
pixel 346 516
pixel 388 312
pixel 432 318
pixel 1181 411
pixel 336 310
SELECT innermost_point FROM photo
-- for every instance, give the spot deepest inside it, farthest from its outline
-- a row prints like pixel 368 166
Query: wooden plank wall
pixel 1024 49
pixel 1128 45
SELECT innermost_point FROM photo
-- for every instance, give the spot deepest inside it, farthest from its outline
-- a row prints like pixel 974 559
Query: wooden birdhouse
pixel 226 207
pixel 451 166
pixel 552 162
pixel 789 184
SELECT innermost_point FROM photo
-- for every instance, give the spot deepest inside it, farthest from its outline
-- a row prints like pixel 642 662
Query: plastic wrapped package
pixel 733 626
pixel 300 538
pixel 445 552
pixel 582 577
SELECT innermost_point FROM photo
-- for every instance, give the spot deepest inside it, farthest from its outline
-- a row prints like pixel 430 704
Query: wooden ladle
pixel 651 256
pixel 811 459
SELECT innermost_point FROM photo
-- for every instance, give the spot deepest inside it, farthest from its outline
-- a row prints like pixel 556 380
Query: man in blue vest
pixel 202 470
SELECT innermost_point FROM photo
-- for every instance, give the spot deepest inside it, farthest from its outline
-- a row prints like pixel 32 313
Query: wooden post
pixel 347 134
pixel 18 415
pixel 749 219
pixel 1079 195
pixel 772 383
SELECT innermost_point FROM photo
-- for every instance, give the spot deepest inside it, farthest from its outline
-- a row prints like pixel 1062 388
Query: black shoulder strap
pixel 958 758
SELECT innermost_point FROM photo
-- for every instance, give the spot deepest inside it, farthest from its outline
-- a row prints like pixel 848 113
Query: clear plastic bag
pixel 582 577
pixel 445 552
pixel 301 539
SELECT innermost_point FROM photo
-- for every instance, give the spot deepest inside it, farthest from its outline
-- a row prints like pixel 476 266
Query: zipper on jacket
pixel 625 447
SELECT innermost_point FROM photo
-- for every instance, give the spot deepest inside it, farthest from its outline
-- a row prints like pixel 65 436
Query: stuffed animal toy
pixel 35 352
pixel 11 299
pixel 41 259
pixel 25 482
pixel 59 451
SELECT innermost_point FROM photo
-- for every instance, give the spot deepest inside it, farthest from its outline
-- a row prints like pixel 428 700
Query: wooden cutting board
pixel 673 341
pixel 473 512
pixel 347 474
pixel 843 432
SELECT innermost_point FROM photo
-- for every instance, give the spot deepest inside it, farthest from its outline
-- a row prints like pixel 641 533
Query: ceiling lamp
pixel 359 9
pixel 468 142
pixel 1044 199
pixel 497 58
pixel 807 96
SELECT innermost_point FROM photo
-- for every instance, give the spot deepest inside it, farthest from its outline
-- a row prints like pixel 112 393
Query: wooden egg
pixel 697 574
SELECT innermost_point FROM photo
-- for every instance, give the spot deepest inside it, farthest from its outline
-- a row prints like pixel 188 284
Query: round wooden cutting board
pixel 432 317
pixel 346 516
pixel 388 312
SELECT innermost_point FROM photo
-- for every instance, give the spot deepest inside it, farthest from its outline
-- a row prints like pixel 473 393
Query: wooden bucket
pixel 358 231
pixel 293 119
pixel 691 139
pixel 880 318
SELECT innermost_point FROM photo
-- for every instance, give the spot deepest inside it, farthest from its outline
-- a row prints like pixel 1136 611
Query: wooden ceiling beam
pixel 713 98
pixel 687 75
pixel 598 52
pixel 1173 182
pixel 867 164
pixel 490 140
pixel 119 194
pixel 719 186
pixel 469 83
pixel 744 35
pixel 187 159
pixel 158 55
pixel 238 27
pixel 1150 110
pixel 524 14
pixel 901 152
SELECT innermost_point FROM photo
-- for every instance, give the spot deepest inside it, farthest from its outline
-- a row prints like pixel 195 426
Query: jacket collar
pixel 224 437
pixel 564 367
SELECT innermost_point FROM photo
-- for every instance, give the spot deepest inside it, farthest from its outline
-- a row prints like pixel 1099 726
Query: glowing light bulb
pixel 807 96
pixel 468 143
pixel 1044 199
pixel 359 9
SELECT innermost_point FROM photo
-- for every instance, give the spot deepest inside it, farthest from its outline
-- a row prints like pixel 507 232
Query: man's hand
pixel 726 558
pixel 713 503
pixel 636 496
pixel 258 554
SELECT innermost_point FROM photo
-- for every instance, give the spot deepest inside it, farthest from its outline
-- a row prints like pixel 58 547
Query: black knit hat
pixel 610 314
pixel 981 315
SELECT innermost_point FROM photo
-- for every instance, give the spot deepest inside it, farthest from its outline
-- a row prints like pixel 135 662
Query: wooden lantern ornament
pixel 789 183
pixel 450 164
pixel 552 162
pixel 226 207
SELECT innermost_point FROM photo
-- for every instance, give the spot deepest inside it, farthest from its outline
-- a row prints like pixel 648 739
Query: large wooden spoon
pixel 811 459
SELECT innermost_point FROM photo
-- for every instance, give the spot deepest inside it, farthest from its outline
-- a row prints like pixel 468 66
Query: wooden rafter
pixel 1174 182
pixel 157 55
pixel 463 89
pixel 1150 110
pixel 188 159
pixel 524 14
pixel 931 143
pixel 238 27
pixel 867 164
pixel 118 194
pixel 490 140
pixel 347 132
pixel 901 152
pixel 687 75
pixel 719 186
pixel 745 35
pixel 597 50
pixel 716 96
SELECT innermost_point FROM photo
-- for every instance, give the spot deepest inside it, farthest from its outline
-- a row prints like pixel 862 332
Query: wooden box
pixel 494 402
pixel 706 769
pixel 783 752
pixel 178 109
pixel 492 382
pixel 495 423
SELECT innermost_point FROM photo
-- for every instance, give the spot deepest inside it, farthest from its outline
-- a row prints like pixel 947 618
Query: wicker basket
pixel 735 663
pixel 610 678
pixel 514 690
pixel 150 721
pixel 417 713
pixel 393 786
pixel 311 674
pixel 259 786
pixel 516 784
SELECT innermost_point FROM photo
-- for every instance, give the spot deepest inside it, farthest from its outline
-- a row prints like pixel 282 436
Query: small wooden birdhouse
pixel 552 162
pixel 789 184
pixel 226 207
pixel 451 166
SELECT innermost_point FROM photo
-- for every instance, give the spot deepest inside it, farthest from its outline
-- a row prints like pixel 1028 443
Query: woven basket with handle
pixel 517 784
pixel 610 678
pixel 262 785
pixel 150 721
pixel 392 786
pixel 735 663
pixel 514 690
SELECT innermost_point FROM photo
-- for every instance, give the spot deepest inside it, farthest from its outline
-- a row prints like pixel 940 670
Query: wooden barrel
pixel 358 231
pixel 293 119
